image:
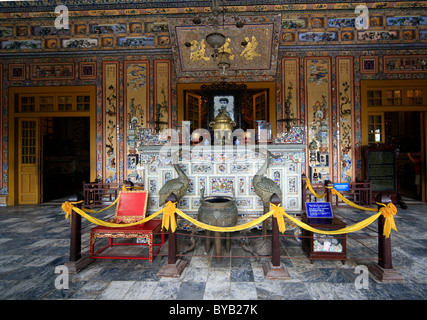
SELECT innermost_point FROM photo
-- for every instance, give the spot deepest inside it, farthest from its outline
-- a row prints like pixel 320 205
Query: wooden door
pixel 193 110
pixel 260 106
pixel 29 166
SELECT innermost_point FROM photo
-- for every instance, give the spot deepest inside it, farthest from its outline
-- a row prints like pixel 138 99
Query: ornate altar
pixel 222 170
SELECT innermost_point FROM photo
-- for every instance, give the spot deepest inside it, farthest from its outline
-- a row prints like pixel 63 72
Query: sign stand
pixel 321 246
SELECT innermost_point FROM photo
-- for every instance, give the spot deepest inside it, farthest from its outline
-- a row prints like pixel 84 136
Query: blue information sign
pixel 342 186
pixel 319 210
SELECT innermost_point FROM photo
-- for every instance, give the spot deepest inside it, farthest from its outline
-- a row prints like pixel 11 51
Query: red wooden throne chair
pixel 131 207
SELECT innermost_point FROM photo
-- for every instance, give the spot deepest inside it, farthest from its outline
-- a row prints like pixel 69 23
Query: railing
pixel 360 192
pixel 383 269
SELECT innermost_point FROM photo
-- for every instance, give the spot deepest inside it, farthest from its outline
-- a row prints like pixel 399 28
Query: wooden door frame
pixel 269 86
pixel 253 103
pixel 14 134
pixel 39 158
pixel 398 84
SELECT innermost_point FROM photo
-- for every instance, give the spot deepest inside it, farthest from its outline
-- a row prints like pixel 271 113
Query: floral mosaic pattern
pixel 222 185
pixel 204 178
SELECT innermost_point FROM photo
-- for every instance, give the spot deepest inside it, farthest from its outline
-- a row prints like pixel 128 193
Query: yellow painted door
pixel 29 166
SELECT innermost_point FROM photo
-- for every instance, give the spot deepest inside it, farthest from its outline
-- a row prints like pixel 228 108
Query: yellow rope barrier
pixel 309 186
pixel 387 211
pixel 67 207
pixel 350 203
pixel 168 220
pixel 240 227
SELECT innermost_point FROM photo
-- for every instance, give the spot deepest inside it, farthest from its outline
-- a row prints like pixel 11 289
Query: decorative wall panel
pixel 110 111
pixel 405 64
pixel 345 117
pixel 52 71
pixel 136 100
pixel 162 91
pixel 290 88
pixel 318 102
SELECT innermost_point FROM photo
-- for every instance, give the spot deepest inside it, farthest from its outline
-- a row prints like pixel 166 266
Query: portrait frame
pixel 213 92
pixel 219 100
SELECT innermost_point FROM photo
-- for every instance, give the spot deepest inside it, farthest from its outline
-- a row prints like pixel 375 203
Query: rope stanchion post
pixel 328 185
pixel 274 270
pixel 383 270
pixel 275 248
pixel 174 267
pixel 172 244
pixel 384 244
pixel 76 262
pixel 75 233
pixel 303 189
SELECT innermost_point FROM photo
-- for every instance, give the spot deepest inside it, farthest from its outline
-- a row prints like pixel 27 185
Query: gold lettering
pixel 226 48
pixel 198 52
pixel 249 51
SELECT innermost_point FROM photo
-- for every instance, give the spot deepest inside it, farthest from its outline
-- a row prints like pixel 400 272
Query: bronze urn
pixel 222 126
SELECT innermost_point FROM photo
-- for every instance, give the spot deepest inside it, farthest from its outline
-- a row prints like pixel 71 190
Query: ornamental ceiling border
pixel 131 9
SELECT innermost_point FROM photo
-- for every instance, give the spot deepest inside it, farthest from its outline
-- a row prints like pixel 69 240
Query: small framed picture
pixel 224 104
pixel 87 70
pixel 16 72
pixel 132 161
pixel 369 64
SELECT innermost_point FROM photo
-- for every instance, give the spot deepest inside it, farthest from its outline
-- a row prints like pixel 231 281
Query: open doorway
pixel 404 129
pixel 66 156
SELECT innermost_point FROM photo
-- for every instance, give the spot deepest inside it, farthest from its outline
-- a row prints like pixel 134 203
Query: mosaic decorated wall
pixel 131 53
